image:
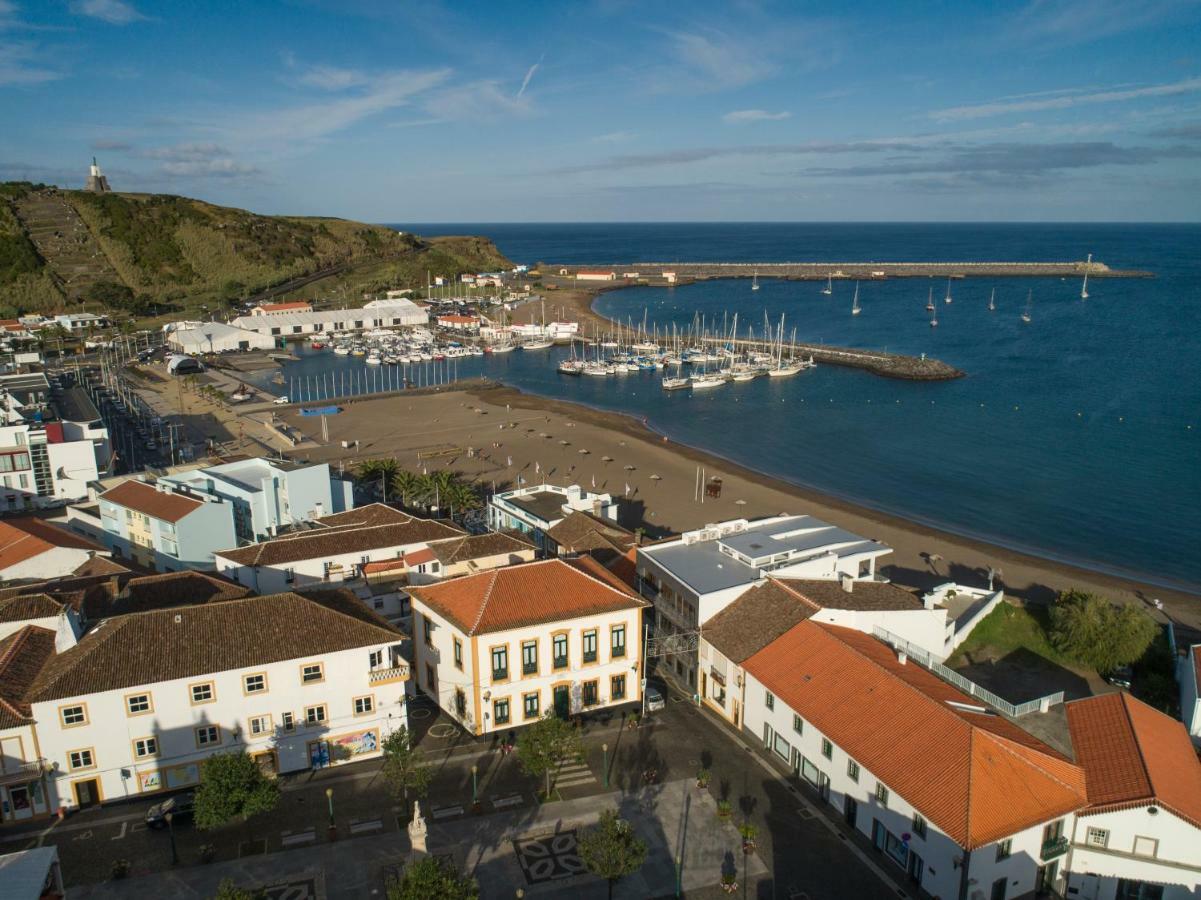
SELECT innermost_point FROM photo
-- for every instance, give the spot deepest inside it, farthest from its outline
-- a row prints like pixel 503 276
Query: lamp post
pixel 474 784
pixel 679 864
pixel 170 817
pixel 605 763
pixel 329 795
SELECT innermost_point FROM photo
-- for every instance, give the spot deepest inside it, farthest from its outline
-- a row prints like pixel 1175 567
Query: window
pixel 312 673
pixel 768 700
pixel 827 748
pixel 315 715
pixel 136 704
pixel 144 747
pixel 590 693
pixel 202 693
pixel 1097 837
pixel 529 657
pixel 289 576
pixel 208 736
pixel 530 705
pixel 254 684
pixel 500 711
pixel 853 770
pixel 881 794
pixel 798 724
pixel 458 654
pixel 460 703
pixel 81 759
pixel 289 721
pixel 919 825
pixel 617 641
pixel 781 747
pixel 1145 846
pixel 500 663
pixel 74 715
pixel 617 687
pixel 427 631
pixel 1004 848
pixel 1138 890
pixel 590 646
pixel 364 705
pixel 559 651
pixel 260 726
pixel 375 659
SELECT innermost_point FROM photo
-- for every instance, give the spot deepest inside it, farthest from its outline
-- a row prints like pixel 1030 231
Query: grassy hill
pixel 139 252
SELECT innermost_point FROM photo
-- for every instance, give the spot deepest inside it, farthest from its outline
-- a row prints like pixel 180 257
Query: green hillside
pixel 144 252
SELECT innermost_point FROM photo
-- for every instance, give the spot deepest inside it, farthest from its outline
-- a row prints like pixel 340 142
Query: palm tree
pixel 462 497
pixel 407 485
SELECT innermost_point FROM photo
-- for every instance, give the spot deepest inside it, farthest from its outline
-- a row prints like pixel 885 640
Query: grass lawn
pixel 1009 628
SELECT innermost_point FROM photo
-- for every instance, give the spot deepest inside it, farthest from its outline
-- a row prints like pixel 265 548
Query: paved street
pixel 512 840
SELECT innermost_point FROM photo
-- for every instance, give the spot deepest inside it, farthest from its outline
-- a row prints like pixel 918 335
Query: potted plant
pixel 702 778
pixel 207 853
pixel 729 883
pixel 120 868
pixel 749 832
pixel 723 809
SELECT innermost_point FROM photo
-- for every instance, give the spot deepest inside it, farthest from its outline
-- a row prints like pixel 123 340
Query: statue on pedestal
pixel 417 833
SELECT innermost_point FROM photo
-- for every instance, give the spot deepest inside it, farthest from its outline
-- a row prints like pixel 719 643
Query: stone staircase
pixel 67 244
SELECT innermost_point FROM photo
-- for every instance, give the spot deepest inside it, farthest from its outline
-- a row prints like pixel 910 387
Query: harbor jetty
pixel 890 365
pixel 814 271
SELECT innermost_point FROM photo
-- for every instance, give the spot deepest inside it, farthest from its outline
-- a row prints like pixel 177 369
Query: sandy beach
pixel 496 434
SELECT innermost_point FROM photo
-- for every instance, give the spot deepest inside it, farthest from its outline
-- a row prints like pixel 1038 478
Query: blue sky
pixel 395 111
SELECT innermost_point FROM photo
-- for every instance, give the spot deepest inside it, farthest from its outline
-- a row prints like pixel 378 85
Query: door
pixel 562 701
pixel 823 786
pixel 850 809
pixel 736 714
pixel 87 793
pixel 704 684
pixel 1044 879
pixel 915 868
pixel 19 800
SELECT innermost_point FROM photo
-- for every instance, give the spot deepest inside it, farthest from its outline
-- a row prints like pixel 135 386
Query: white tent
pixel 216 337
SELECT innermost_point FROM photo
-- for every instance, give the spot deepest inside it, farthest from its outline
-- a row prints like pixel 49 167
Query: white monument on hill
pixel 97 182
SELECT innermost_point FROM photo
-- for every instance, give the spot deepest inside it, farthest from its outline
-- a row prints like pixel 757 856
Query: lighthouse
pixel 97 182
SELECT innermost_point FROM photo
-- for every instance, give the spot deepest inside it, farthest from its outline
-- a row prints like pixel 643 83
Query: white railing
pixel 395 673
pixel 924 658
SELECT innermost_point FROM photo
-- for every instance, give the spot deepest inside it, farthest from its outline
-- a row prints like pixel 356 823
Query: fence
pixel 970 688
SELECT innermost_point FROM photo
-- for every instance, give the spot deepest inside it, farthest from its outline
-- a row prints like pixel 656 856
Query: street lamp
pixel 605 763
pixel 679 864
pixel 474 771
pixel 329 795
pixel 170 817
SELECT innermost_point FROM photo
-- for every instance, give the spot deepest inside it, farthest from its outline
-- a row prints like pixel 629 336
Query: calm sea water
pixel 1073 437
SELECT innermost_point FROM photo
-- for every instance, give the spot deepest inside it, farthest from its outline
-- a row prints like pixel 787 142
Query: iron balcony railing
pixel 1054 847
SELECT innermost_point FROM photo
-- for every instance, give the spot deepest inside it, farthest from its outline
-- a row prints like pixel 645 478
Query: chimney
pixel 902 657
pixel 597 506
pixel 847 582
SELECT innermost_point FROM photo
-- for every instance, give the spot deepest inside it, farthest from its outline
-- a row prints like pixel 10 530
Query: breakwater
pixel 890 365
pixel 863 270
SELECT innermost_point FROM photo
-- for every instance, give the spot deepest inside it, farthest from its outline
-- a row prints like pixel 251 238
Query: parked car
pixel 654 699
pixel 1122 677
pixel 280 401
pixel 181 807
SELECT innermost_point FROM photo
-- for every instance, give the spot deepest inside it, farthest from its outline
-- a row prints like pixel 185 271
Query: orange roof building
pixel 33 549
pixel 927 772
pixel 275 309
pixel 503 648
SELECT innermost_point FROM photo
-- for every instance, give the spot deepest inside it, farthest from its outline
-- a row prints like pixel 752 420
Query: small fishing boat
pixel 1026 312
pixel 538 345
pixel 317 345
pixel 706 380
pixel 856 309
pixel 675 383
pixel 755 282
pixel 930 301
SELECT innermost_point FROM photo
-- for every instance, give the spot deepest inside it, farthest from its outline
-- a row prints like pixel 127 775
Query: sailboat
pixel 933 319
pixel 930 301
pixel 755 282
pixel 992 301
pixel 947 299
pixel 855 307
pixel 1026 312
pixel 829 288
pixel 1084 287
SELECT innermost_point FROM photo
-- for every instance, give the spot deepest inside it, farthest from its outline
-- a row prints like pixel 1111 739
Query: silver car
pixel 654 699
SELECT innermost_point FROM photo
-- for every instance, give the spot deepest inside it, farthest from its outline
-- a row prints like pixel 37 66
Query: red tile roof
pixel 285 307
pixel 527 594
pixel 27 537
pixel 975 775
pixel 146 498
pixel 22 656
pixel 417 557
pixel 1134 755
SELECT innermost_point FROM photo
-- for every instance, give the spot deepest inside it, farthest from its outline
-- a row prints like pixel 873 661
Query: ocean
pixel 1073 437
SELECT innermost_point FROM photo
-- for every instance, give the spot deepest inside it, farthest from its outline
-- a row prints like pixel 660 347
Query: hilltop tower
pixel 97 181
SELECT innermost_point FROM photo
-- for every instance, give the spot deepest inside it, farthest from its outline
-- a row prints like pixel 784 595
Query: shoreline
pixel 923 555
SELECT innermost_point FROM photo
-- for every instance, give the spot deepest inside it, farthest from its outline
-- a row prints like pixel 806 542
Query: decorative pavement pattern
pixel 301 889
pixel 549 857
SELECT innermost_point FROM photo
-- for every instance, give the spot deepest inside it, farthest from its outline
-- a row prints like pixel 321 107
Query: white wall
pixel 72 466
pixel 51 564
pixel 111 731
pixel 1178 842
pixel 275 578
pixel 1190 700
pixel 924 627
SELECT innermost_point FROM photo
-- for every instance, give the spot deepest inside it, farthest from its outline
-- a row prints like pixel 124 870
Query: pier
pixel 863 271
pixel 890 365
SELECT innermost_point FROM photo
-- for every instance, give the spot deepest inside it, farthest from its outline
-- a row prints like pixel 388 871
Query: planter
pixel 730 887
pixel 748 847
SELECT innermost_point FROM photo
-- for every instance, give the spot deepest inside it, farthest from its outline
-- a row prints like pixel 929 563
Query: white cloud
pixel 115 12
pixel 614 137
pixel 717 59
pixel 529 76
pixel 1064 101
pixel 333 78
pixel 210 168
pixel 475 100
pixel 186 152
pixel 22 63
pixel 743 116
pixel 1067 22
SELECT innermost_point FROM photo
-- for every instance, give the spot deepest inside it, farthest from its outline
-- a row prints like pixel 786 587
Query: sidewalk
pixel 532 849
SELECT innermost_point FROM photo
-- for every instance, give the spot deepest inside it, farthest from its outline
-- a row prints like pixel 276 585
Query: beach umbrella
pixel 740 502
pixel 582 451
pixel 656 478
pixel 564 443
pixel 628 468
pixel 607 458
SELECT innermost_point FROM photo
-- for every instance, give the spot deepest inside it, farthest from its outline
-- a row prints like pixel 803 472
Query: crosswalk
pixel 573 774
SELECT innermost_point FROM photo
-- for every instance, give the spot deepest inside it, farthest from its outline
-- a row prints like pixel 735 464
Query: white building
pixel 34 550
pixel 279 309
pixel 504 648
pixel 386 314
pixel 1140 835
pixel 112 721
pixel 337 550
pixel 595 275
pixel 24 790
pixel 217 337
pixel 1189 677
pixel 535 509
pixel 81 321
pixel 962 801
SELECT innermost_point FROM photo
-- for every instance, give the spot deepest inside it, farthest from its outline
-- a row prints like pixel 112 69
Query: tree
pixel 403 769
pixel 545 745
pixel 429 877
pixel 611 849
pixel 1093 630
pixel 407 485
pixel 227 890
pixel 232 785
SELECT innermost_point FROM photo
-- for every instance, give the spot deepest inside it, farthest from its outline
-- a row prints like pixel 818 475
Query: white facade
pixel 389 314
pixel 1147 844
pixel 215 337
pixel 455 670
pixel 534 509
pixel 1189 666
pixel 116 752
pixel 885 823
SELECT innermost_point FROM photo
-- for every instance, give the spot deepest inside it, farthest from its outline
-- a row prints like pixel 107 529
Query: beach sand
pixel 514 434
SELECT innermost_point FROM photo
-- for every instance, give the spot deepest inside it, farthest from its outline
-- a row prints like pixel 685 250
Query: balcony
pixel 24 771
pixel 1053 847
pixel 391 675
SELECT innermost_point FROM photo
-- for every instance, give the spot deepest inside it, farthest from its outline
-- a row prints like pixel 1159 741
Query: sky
pixel 1047 110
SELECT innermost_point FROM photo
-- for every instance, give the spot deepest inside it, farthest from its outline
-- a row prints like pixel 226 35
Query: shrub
pixel 1093 630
